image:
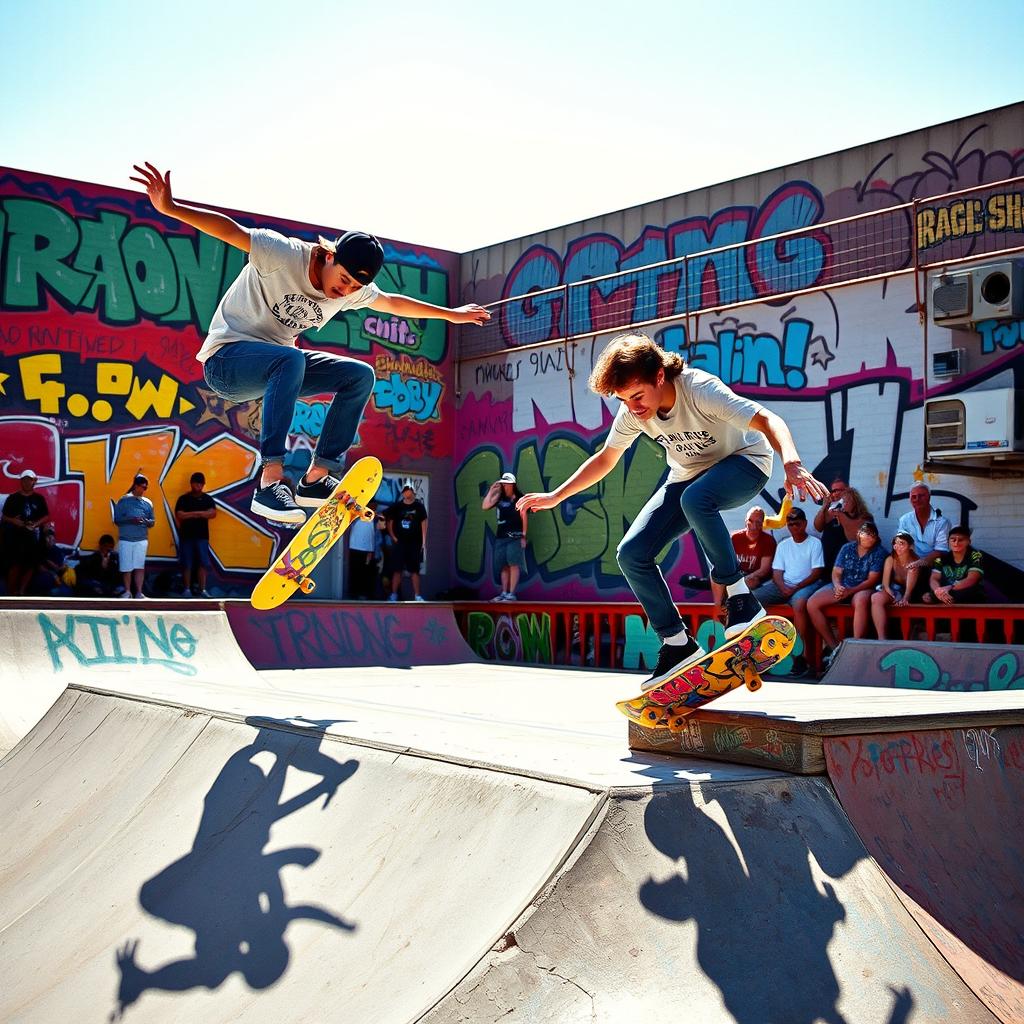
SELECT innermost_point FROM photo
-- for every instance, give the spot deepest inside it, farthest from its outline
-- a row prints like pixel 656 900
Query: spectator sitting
pixel 898 582
pixel 755 550
pixel 855 575
pixel 192 512
pixel 839 520
pixel 133 516
pixel 796 573
pixel 99 574
pixel 55 577
pixel 956 577
pixel 930 530
pixel 24 513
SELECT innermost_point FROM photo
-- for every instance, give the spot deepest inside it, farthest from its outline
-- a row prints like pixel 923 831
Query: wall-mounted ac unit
pixel 977 424
pixel 991 291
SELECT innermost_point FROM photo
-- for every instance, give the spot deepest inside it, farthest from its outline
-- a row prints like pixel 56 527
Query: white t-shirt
pixel 272 299
pixel 708 422
pixel 797 560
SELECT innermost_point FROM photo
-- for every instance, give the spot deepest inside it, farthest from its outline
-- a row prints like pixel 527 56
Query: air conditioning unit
pixel 977 424
pixel 991 291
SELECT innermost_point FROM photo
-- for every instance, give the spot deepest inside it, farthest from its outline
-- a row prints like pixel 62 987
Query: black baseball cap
pixel 359 253
pixel 796 514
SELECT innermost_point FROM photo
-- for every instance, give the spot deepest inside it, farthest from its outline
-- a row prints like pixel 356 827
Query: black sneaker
pixel 672 659
pixel 741 612
pixel 314 495
pixel 275 502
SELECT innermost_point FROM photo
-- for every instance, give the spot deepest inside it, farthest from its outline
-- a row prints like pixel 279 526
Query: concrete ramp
pixel 942 812
pixel 172 866
pixel 155 653
pixel 906 665
pixel 358 635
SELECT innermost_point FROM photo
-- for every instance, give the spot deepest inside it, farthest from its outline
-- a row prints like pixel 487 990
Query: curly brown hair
pixel 632 357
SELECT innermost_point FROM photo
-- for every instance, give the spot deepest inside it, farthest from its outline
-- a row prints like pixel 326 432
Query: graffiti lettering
pixel 101 640
pixel 408 397
pixel 913 669
pixel 502 637
pixel 971 216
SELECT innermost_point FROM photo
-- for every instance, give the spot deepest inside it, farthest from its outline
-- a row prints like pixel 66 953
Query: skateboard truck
pixel 751 679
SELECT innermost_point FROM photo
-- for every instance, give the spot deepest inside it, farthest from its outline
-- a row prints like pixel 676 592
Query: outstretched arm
pixel 402 305
pixel 596 468
pixel 158 187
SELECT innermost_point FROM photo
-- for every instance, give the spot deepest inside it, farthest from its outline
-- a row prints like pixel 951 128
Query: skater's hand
pixel 158 188
pixel 800 481
pixel 535 502
pixel 470 314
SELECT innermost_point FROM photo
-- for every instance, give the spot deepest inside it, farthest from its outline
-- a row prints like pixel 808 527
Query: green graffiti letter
pixel 911 670
pixel 41 237
pixel 535 634
pixel 479 631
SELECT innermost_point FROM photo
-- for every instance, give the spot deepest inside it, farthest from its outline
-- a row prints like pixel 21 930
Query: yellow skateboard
pixel 737 662
pixel 290 571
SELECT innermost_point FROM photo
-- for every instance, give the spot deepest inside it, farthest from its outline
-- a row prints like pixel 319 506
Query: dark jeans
pixel 243 371
pixel 675 509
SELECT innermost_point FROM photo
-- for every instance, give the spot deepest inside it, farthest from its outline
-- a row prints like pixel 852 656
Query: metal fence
pixel 918 236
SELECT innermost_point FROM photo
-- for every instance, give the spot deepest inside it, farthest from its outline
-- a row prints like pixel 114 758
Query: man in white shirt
pixel 930 530
pixel 290 286
pixel 718 446
pixel 798 570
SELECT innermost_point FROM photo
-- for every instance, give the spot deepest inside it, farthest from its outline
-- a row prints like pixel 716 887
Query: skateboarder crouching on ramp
pixel 719 450
pixel 287 287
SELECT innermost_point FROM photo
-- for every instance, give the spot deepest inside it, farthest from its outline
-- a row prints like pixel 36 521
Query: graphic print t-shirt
pixel 408 520
pixel 708 422
pixel 272 299
pixel 509 519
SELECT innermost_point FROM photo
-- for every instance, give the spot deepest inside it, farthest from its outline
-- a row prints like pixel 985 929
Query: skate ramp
pixel 907 665
pixel 153 653
pixel 942 812
pixel 358 635
pixel 168 865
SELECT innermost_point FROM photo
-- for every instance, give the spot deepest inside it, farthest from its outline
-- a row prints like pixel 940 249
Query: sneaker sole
pixel 277 515
pixel 653 684
pixel 308 502
pixel 739 627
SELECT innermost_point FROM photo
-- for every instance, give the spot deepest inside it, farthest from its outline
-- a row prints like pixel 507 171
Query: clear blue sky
pixel 455 125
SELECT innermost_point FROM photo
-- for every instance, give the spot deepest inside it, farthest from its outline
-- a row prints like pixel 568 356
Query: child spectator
pixel 899 578
pixel 855 575
pixel 133 516
pixel 99 574
pixel 957 576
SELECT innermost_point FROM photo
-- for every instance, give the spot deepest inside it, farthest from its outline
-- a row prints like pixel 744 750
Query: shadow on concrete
pixel 227 888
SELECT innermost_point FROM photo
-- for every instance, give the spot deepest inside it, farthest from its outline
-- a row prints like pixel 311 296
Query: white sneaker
pixel 419 597
pixel 500 597
pixel 392 597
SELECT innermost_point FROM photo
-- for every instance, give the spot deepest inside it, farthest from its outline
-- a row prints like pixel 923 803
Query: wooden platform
pixel 784 725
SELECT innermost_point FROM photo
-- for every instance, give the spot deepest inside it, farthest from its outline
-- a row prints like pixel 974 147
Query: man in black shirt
pixel 407 526
pixel 193 512
pixel 24 513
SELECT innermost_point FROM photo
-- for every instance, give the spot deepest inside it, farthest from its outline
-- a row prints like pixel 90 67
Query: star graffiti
pixel 435 631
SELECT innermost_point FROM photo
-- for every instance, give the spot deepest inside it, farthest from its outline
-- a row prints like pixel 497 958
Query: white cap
pixel 507 478
pixel 28 475
pixel 408 484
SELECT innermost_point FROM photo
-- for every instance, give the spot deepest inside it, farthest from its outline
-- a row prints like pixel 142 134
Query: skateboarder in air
pixel 719 450
pixel 287 287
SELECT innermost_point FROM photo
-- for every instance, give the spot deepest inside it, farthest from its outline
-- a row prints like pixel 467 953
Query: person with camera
pixel 839 520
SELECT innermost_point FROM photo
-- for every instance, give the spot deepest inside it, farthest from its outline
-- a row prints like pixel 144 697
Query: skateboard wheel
pixel 676 721
pixel 306 585
pixel 653 718
pixel 753 682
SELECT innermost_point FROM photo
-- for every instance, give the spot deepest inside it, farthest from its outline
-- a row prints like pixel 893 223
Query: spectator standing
pixel 99 574
pixel 388 552
pixel 25 513
pixel 192 512
pixel 797 569
pixel 930 530
pixel 510 533
pixel 899 578
pixel 957 576
pixel 133 517
pixel 755 550
pixel 839 519
pixel 363 556
pixel 855 575
pixel 407 525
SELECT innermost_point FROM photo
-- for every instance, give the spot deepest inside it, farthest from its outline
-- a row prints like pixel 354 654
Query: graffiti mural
pixel 844 364
pixel 103 306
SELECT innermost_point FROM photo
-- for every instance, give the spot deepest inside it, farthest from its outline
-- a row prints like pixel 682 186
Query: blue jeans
pixel 675 509
pixel 243 371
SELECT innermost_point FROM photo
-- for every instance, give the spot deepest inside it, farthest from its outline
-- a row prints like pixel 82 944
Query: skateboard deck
pixel 290 570
pixel 737 662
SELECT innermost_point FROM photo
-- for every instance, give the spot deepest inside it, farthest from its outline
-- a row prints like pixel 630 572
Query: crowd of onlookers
pixel 846 561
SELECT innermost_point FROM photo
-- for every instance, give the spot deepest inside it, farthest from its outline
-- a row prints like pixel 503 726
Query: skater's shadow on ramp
pixel 743 873
pixel 227 888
